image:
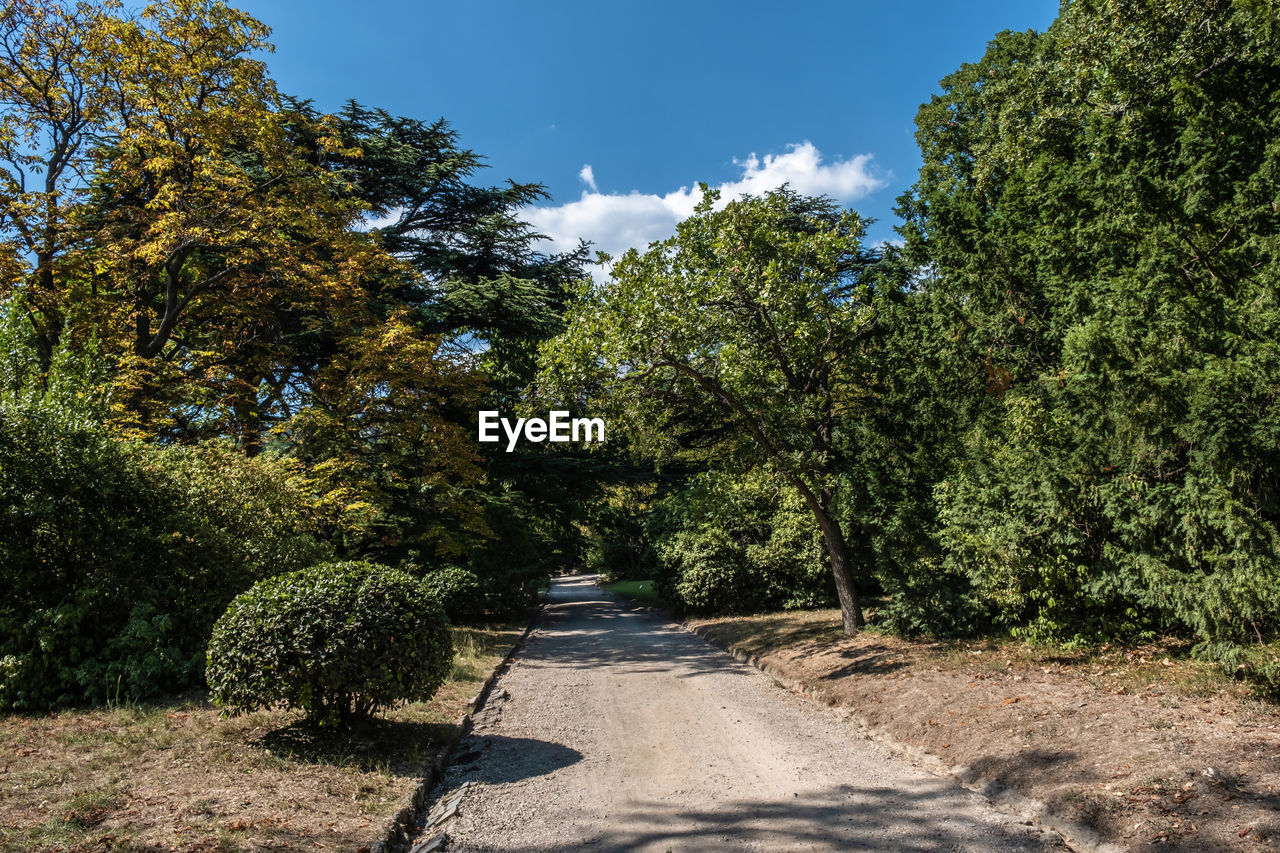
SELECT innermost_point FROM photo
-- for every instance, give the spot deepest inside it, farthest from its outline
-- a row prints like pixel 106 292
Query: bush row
pixel 117 558
pixel 736 544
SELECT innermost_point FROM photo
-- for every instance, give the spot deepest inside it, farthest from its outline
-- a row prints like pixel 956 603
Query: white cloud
pixel 615 222
pixel 803 169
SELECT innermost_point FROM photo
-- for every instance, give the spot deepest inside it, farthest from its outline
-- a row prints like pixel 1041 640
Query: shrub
pixel 712 574
pixel 117 557
pixel 514 563
pixel 615 543
pixel 459 592
pixel 737 544
pixel 337 640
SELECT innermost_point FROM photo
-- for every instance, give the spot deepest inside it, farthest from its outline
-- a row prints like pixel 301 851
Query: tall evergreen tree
pixel 1097 216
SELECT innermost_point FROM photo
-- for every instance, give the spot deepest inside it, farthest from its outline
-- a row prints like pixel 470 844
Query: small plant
pixel 337 641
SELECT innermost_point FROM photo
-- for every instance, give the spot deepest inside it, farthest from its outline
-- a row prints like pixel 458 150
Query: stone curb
pixel 1076 835
pixel 395 837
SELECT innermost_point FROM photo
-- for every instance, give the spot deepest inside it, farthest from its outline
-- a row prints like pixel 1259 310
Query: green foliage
pixel 336 640
pixel 1031 536
pixel 499 575
pixel 750 332
pixel 116 557
pixel 643 591
pixel 616 544
pixel 518 557
pixel 216 236
pixel 1259 663
pixel 1096 219
pixel 459 592
pixel 1053 410
pixel 737 545
pixel 706 572
pixel 476 269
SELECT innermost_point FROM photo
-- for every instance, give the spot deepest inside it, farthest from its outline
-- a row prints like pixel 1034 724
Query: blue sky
pixel 652 96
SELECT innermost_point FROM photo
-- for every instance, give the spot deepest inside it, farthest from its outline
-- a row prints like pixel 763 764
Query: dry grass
pixel 1166 665
pixel 176 775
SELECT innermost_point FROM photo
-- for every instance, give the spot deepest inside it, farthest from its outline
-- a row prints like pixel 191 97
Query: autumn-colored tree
pixel 51 105
pixel 175 213
pixel 391 466
pixel 211 226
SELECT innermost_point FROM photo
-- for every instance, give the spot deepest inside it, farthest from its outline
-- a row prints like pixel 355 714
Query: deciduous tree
pixel 761 312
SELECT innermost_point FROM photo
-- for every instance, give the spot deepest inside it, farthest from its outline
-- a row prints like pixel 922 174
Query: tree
pixel 117 557
pixel 211 228
pixel 150 187
pixel 51 101
pixel 1097 213
pixel 335 288
pixel 765 311
pixel 464 299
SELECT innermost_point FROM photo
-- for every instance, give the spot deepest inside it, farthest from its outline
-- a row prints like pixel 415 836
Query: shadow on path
pixel 497 759
pixel 844 817
pixel 606 632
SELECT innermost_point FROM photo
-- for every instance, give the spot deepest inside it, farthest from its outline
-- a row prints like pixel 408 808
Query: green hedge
pixel 737 544
pixel 116 558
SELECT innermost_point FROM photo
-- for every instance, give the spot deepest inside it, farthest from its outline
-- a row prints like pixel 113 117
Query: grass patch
pixel 642 591
pixel 178 775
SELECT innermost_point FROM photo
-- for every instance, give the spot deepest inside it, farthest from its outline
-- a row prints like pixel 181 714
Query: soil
pixel 1146 749
pixel 616 730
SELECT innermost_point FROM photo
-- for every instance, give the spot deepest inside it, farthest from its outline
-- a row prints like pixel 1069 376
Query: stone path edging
pixel 395 836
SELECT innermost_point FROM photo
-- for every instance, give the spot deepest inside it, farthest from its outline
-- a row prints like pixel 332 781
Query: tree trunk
pixel 838 553
pixel 250 424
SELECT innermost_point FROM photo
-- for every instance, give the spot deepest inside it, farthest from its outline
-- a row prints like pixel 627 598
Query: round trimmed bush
pixel 459 592
pixel 337 640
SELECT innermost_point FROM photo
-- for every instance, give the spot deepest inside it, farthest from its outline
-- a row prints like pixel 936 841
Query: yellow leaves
pixel 219 259
pixel 998 378
pixel 380 406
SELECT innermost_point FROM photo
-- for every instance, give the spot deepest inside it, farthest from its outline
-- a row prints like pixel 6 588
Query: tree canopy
pixel 761 311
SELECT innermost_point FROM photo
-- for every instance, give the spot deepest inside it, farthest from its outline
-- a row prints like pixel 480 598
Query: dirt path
pixel 616 731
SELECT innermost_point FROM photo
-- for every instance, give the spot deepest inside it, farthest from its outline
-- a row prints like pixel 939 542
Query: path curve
pixel 615 730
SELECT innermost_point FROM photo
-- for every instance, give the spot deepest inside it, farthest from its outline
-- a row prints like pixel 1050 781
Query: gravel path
pixel 614 730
